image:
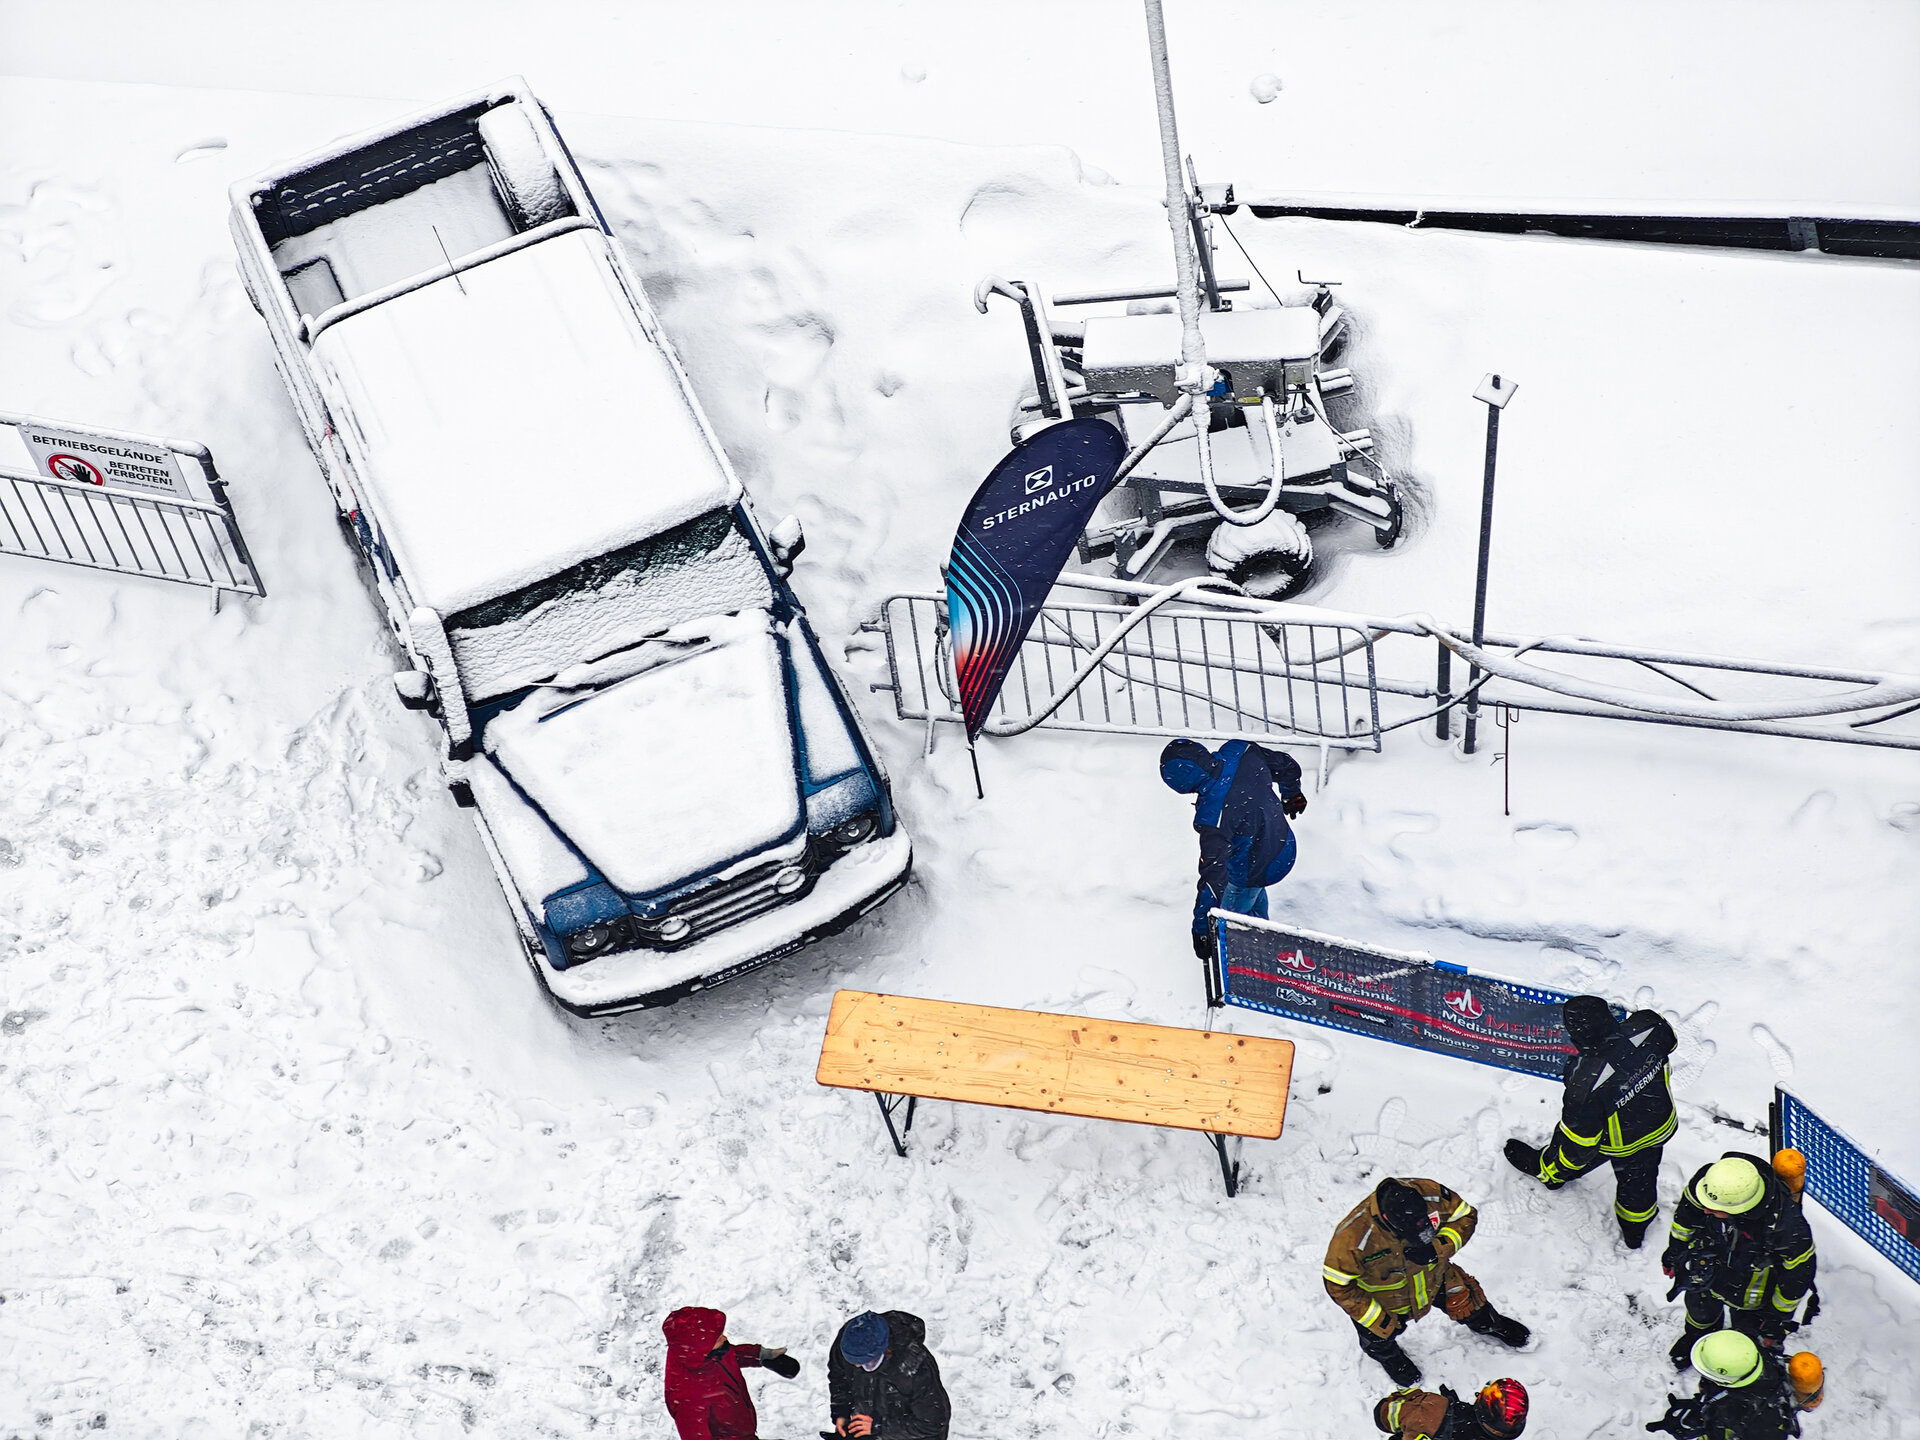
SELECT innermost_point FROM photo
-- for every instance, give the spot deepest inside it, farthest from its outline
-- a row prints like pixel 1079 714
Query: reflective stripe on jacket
pixel 1412 1414
pixel 1617 1099
pixel 1762 1258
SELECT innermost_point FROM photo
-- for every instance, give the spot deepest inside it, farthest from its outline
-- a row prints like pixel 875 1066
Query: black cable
pixel 1243 250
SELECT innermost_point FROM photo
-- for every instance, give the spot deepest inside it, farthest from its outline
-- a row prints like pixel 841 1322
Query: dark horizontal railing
pixel 1868 239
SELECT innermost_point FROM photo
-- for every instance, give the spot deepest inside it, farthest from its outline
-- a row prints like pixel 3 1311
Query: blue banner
pixel 1407 998
pixel 1882 1210
pixel 1013 540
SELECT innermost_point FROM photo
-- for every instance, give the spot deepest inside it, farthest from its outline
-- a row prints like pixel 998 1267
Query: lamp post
pixel 1496 391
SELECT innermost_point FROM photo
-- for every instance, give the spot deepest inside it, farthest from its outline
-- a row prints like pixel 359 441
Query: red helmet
pixel 1501 1408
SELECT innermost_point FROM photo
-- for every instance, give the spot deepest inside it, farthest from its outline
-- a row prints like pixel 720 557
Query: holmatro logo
pixel 1463 1003
pixel 1039 479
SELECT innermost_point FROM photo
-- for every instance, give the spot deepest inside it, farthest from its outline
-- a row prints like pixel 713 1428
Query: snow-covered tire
pixel 1386 538
pixel 1269 560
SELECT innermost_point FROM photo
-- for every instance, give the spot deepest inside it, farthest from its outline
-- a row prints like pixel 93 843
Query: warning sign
pixel 82 458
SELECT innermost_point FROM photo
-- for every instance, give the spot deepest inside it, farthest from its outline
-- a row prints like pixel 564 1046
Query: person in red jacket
pixel 706 1393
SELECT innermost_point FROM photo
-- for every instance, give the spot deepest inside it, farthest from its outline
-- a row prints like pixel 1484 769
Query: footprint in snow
pixel 1778 1055
pixel 1393 1115
pixel 1694 1050
pixel 201 149
pixel 1546 835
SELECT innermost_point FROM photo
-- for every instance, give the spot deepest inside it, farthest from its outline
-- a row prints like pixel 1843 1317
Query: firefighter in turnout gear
pixel 1742 1253
pixel 1617 1107
pixel 1498 1412
pixel 1745 1394
pixel 1391 1260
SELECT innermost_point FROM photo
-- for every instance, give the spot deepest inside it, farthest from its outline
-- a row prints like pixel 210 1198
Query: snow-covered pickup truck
pixel 668 776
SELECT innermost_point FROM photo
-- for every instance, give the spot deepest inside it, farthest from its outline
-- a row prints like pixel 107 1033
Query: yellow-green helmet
pixel 1727 1358
pixel 1733 1185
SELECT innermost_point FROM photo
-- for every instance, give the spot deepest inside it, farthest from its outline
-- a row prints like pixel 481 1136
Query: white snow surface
pixel 515 420
pixel 290 1142
pixel 672 770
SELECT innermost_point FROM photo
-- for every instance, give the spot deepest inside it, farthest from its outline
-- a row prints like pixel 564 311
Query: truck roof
pixel 517 419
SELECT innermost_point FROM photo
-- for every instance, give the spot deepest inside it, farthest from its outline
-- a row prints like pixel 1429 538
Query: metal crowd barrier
pixel 1222 666
pixel 1843 1177
pixel 159 536
pixel 1181 671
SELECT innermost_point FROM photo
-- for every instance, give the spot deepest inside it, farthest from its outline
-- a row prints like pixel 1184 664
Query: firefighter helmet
pixel 1727 1358
pixel 1501 1408
pixel 1731 1185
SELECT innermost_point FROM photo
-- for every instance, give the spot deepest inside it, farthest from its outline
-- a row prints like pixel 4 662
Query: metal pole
pixel 1480 580
pixel 1443 692
pixel 1193 350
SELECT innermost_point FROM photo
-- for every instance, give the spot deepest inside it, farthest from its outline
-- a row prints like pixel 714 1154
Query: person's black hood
pixel 1589 1020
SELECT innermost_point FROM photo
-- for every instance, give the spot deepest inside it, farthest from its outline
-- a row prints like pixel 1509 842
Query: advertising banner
pixel 1410 999
pixel 105 462
pixel 1881 1209
pixel 1013 540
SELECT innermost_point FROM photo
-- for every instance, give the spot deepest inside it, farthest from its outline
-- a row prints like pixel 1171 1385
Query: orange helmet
pixel 1501 1408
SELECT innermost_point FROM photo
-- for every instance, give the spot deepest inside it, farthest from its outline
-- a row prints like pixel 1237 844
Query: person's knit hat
pixel 864 1339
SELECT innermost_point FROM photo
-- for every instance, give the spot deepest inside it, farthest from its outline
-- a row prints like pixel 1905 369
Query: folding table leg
pixel 1229 1171
pixel 890 1103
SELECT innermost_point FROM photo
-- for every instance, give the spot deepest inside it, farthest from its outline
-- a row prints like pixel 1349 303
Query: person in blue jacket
pixel 1244 795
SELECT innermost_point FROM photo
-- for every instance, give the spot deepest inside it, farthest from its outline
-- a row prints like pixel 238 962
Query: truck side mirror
pixel 415 689
pixel 786 540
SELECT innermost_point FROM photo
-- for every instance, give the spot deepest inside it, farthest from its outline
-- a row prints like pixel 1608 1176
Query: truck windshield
pixel 702 567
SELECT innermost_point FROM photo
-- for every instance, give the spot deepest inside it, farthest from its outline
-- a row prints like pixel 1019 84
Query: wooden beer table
pixel 902 1049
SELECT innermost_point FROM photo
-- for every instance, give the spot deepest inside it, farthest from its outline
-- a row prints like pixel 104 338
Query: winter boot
pixel 1633 1232
pixel 1398 1364
pixel 1524 1158
pixel 1489 1321
pixel 1682 1352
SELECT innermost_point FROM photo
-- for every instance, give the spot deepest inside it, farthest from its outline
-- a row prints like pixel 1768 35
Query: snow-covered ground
pixel 290 1143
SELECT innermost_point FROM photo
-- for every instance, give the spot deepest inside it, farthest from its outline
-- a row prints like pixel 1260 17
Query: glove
pixel 1684 1418
pixel 1294 806
pixel 1202 946
pixel 776 1359
pixel 1672 1258
pixel 1421 1252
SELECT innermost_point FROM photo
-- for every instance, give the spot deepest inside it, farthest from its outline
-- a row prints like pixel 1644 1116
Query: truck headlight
pixel 592 941
pixel 849 833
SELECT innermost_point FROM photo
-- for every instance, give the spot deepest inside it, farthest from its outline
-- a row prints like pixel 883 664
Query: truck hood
pixel 667 761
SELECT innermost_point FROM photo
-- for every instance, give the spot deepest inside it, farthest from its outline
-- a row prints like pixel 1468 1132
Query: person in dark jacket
pixel 706 1393
pixel 1745 1394
pixel 1741 1251
pixel 1616 1105
pixel 1244 795
pixel 881 1380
